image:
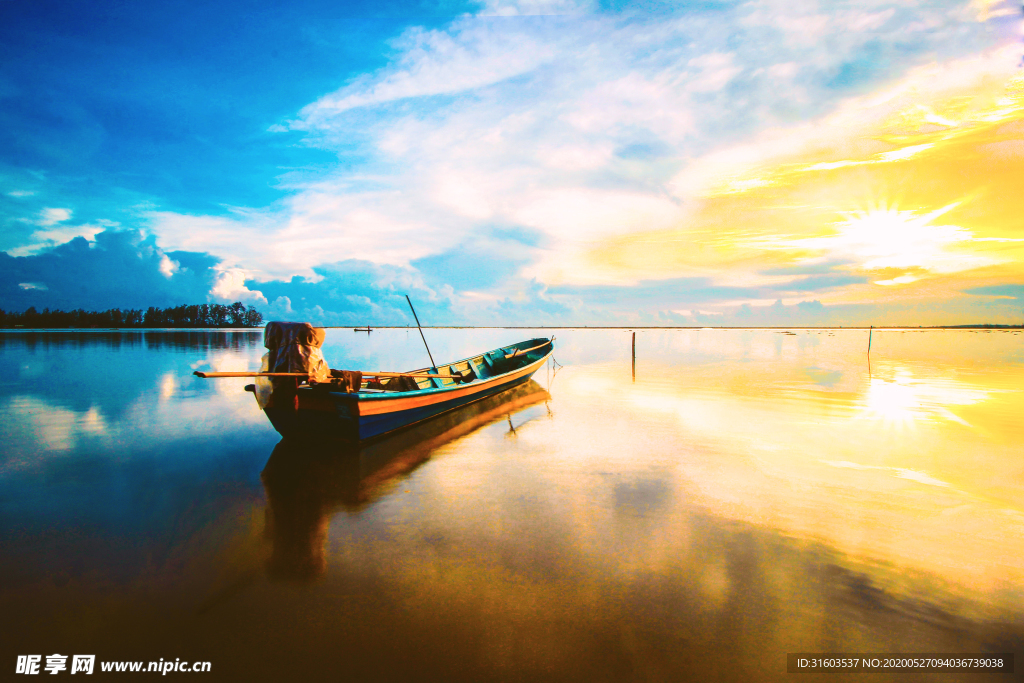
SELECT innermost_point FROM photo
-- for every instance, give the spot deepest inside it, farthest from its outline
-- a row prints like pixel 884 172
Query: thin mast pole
pixel 432 364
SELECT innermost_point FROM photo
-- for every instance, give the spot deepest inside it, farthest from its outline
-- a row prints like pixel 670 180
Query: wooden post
pixel 634 356
pixel 872 329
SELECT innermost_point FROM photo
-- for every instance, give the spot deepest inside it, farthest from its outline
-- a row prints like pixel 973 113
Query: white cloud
pixel 279 308
pixel 656 102
pixel 711 72
pixel 437 63
pixel 53 216
pixel 49 237
pixel 323 224
pixel 845 131
pixel 804 29
pixel 784 71
pixel 168 267
pixel 65 233
pixel 230 287
pixel 573 127
pixel 993 9
pixel 514 8
pixel 869 21
pixel 229 237
pixel 584 214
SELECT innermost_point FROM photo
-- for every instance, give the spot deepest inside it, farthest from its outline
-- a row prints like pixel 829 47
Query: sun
pixel 891 238
pixel 903 243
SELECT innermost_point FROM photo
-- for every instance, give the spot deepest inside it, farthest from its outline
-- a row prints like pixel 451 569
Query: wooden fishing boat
pixel 357 406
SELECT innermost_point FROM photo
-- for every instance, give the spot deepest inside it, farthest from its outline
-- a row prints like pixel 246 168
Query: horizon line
pixel 978 326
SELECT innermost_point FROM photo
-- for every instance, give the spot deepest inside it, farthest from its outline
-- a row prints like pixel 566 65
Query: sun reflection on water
pixel 885 463
pixel 903 401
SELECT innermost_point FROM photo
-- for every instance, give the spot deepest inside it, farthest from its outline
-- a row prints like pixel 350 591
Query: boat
pixel 362 329
pixel 309 400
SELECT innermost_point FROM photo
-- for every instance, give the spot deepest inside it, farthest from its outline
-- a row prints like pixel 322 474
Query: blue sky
pixel 533 162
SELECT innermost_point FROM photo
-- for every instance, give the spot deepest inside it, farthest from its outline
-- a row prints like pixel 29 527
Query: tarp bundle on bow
pixel 291 347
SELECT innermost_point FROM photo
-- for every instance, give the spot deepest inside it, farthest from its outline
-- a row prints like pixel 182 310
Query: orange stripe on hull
pixel 394 405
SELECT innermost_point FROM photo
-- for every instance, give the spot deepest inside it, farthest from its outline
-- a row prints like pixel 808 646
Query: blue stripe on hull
pixel 371 426
pixel 339 424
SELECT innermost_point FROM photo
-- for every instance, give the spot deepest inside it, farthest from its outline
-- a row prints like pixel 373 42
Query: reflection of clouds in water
pixel 642 496
pixel 900 472
pixel 823 377
pixel 37 429
pixel 53 428
pixel 188 405
pixel 168 386
pixel 145 391
pixel 714 581
pixel 229 408
pixel 223 360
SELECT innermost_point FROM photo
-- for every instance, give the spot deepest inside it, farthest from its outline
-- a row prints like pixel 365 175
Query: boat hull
pixel 357 417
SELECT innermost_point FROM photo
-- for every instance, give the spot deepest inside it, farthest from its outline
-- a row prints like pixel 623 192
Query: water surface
pixel 743 494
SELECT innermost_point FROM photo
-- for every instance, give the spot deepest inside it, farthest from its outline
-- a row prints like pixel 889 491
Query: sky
pixel 517 162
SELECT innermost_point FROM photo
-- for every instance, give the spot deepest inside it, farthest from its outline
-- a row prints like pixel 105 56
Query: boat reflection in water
pixel 306 483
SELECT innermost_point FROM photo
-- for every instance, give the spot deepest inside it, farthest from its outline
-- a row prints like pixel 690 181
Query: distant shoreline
pixel 681 327
pixel 522 327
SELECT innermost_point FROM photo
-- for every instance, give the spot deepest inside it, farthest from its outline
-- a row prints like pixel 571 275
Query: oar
pixel 213 375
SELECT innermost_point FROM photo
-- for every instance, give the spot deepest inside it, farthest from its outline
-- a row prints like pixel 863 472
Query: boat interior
pixel 485 366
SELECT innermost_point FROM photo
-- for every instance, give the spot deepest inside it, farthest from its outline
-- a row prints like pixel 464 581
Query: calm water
pixel 749 494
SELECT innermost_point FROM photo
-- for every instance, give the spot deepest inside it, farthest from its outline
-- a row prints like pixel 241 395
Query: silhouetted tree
pixel 195 315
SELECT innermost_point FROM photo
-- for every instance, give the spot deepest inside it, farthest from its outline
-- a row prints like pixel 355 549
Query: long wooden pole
pixel 432 363
pixel 367 373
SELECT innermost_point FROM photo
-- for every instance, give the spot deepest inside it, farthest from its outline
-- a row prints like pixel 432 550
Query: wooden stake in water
pixel 432 364
pixel 870 330
pixel 634 356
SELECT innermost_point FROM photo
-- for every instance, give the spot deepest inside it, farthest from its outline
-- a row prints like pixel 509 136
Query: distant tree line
pixel 197 315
